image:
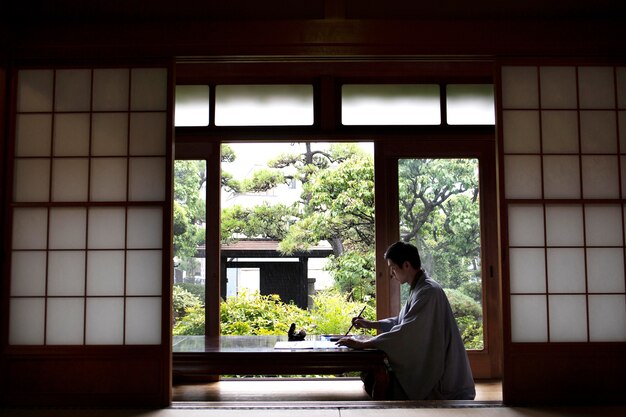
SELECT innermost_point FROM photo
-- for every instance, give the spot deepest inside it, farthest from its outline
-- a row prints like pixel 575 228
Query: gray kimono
pixel 425 348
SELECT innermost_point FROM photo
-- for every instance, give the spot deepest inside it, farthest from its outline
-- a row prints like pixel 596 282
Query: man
pixel 423 344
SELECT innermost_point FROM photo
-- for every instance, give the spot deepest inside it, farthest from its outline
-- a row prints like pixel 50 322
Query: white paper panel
pixel 147 133
pixel 526 225
pixel 105 273
pixel 109 134
pixel 596 88
pixel 192 105
pixel 600 176
pixel 26 321
pixel 144 272
pixel 558 87
pixel 566 270
pixel 66 273
pixel 149 89
pixel 28 273
pixel 110 89
pixel 605 270
pixel 145 226
pixel 71 134
pixel 147 179
pixel 33 135
pixel 529 318
pixel 521 131
pixel 559 131
pixel 73 90
pixel 607 318
pixel 105 321
pixel 67 228
pixel 564 225
pixel 561 176
pixel 520 88
pixel 30 227
pixel 143 321
pixel 107 228
pixel 65 321
pixel 603 225
pixel 598 132
pixel 108 179
pixel 70 178
pixel 568 318
pixel 528 272
pixel 32 180
pixel 522 176
pixel 34 90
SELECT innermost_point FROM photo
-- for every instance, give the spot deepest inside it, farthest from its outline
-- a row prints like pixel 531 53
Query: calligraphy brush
pixel 352 325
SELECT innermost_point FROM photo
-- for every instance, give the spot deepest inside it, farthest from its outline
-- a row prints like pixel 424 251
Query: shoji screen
pixel 90 215
pixel 563 148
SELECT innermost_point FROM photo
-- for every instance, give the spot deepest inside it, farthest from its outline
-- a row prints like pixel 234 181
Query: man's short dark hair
pixel 400 252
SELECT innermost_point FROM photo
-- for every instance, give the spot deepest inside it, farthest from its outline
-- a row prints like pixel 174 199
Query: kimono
pixel 424 346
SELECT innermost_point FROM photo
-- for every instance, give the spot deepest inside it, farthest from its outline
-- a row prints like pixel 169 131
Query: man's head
pixel 404 261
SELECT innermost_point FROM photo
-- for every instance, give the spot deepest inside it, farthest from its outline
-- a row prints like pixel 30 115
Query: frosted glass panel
pixel 143 321
pixel 71 134
pixel 192 105
pixel 34 90
pixel 147 133
pixel 522 176
pixel 73 90
pixel 33 135
pixel 526 225
pixel 109 134
pixel 561 176
pixel 26 321
pixel 607 318
pixel 69 179
pixel 605 270
pixel 568 318
pixel 67 228
pixel 519 87
pixel 28 273
pixel 105 321
pixel 147 179
pixel 263 105
pixel 558 88
pixel 559 131
pixel 600 177
pixel 145 227
pixel 110 89
pixel 621 87
pixel 528 272
pixel 107 228
pixel 603 225
pixel 596 88
pixel 32 180
pixel 566 270
pixel 105 273
pixel 65 321
pixel 529 318
pixel 66 273
pixel 149 89
pixel 108 179
pixel 30 227
pixel 521 131
pixel 470 104
pixel 598 132
pixel 564 225
pixel 144 272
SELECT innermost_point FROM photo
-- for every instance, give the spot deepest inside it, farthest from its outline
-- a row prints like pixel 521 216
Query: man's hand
pixel 361 323
pixel 353 343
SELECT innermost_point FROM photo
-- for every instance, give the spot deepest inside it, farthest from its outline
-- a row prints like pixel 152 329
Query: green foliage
pixel 183 300
pixel 332 313
pixel 192 323
pixel 263 221
pixel 263 180
pixel 353 273
pixel 198 290
pixel 468 315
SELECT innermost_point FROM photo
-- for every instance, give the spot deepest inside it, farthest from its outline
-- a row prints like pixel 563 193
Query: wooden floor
pixel 283 389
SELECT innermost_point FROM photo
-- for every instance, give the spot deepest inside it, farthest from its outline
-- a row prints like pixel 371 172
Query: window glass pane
pixel 470 104
pixel 397 104
pixel 264 105
pixel 192 105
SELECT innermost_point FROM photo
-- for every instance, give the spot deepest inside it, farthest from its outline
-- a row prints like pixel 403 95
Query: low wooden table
pixel 199 356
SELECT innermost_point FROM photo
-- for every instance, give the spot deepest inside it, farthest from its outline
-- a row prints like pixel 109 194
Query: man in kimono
pixel 423 344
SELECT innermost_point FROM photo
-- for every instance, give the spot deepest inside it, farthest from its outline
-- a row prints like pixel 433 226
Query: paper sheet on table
pixel 307 344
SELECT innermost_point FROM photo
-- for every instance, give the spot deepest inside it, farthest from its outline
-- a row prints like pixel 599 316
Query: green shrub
pixel 183 300
pixel 192 323
pixel 196 289
pixel 332 313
